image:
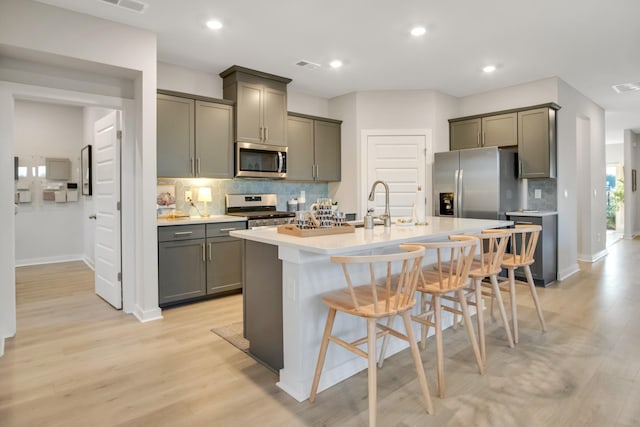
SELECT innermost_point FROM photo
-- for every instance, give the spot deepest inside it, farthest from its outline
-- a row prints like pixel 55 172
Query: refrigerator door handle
pixel 456 197
pixel 460 193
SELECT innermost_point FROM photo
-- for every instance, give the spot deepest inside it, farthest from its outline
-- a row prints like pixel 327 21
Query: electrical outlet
pixel 537 193
pixel 187 195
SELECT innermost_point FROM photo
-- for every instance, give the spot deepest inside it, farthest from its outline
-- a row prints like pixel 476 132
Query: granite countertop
pixel 199 220
pixel 532 213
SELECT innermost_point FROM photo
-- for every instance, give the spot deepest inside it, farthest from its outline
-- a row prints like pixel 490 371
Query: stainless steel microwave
pixel 260 160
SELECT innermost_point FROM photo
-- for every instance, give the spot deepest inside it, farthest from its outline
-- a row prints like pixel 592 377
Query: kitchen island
pixel 305 274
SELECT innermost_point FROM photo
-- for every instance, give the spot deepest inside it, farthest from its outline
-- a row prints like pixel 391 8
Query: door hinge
pixel 118 205
pixel 119 276
pixel 119 135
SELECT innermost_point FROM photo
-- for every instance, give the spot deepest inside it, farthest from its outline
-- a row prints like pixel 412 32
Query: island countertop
pixel 378 237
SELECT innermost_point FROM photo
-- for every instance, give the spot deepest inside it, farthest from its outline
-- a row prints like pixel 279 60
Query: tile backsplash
pixel 221 187
pixel 549 195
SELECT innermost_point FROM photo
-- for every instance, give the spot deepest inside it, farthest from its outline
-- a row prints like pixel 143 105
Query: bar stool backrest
pixel 524 239
pixel 454 260
pixel 399 286
pixel 493 244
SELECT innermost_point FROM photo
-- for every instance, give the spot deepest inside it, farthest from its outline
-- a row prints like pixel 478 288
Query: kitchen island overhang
pixel 307 273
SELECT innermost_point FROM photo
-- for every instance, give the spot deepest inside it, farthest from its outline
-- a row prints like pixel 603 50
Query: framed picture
pixel 85 171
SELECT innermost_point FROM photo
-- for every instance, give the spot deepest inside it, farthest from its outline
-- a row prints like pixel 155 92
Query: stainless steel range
pixel 260 209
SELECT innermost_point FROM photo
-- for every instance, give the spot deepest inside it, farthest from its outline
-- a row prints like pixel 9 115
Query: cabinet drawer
pixel 222 229
pixel 181 232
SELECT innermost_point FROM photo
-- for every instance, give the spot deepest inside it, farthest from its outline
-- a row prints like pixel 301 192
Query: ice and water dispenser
pixel 446 204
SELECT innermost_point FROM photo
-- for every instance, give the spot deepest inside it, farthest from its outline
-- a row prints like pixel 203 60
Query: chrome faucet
pixel 387 215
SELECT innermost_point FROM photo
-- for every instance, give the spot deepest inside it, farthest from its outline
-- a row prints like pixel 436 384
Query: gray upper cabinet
pixel 175 136
pixel 194 137
pixel 464 134
pixel 314 148
pixel 327 150
pixel 531 129
pixel 500 130
pixel 300 164
pixel 537 143
pixel 261 105
pixel 214 140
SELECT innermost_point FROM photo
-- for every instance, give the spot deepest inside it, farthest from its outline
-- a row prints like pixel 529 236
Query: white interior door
pixel 399 159
pixel 106 161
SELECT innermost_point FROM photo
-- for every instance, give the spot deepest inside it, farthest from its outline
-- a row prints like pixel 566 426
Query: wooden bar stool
pixel 524 239
pixel 448 276
pixel 487 265
pixel 390 292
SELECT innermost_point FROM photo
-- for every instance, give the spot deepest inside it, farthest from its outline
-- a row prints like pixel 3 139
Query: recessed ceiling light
pixel 418 31
pixel 626 87
pixel 336 63
pixel 489 69
pixel 214 25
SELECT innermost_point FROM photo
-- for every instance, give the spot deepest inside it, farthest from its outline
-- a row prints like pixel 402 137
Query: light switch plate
pixel 537 193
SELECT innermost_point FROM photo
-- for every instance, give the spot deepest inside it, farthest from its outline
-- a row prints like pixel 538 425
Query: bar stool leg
pixel 415 353
pixel 469 326
pixel 323 352
pixel 385 342
pixel 534 295
pixel 435 303
pixel 514 308
pixel 503 314
pixel 372 374
pixel 480 318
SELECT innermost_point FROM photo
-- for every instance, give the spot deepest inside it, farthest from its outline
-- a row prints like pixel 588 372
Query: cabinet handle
pixel 483 138
pixel 198 165
pixel 228 229
pixel 524 222
pixel 192 167
pixel 519 168
pixel 183 233
pixel 317 171
pixel 261 133
pixel 266 134
pixel 478 143
pixel 203 254
pixel 209 251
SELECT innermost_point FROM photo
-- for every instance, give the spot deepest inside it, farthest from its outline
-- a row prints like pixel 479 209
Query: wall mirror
pixel 85 168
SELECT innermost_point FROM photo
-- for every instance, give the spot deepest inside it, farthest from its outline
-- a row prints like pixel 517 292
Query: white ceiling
pixel 590 44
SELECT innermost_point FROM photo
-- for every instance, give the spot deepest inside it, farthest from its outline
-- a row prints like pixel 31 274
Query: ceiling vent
pixel 307 64
pixel 626 87
pixel 132 5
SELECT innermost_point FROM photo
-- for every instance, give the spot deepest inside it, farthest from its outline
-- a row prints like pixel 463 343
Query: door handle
pixel 460 193
pixel 93 216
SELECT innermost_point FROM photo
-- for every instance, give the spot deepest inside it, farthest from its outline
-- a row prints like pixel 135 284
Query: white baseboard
pixel 593 257
pixel 568 272
pixel 88 262
pixel 149 315
pixel 48 260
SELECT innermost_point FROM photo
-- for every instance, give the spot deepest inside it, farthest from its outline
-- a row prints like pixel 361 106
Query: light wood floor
pixel 77 362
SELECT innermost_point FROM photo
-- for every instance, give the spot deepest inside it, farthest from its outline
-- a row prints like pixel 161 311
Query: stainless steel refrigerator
pixel 476 183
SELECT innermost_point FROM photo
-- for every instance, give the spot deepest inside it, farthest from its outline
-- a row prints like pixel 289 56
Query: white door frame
pixel 363 189
pixel 127 106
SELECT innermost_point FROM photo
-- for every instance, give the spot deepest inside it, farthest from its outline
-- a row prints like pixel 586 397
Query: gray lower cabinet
pixel 314 148
pixel 224 257
pixel 544 269
pixel 194 137
pixel 196 261
pixel 181 263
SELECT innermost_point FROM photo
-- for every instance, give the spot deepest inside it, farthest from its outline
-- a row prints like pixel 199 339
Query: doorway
pixel 403 159
pixel 615 202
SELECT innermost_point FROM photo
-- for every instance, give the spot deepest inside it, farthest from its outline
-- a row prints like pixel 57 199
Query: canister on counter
pixel 292 205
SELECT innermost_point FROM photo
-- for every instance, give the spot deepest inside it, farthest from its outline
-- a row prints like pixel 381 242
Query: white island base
pixel 307 273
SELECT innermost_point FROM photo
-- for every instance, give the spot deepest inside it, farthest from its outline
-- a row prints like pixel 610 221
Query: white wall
pixel 48 231
pixel 590 187
pixel 386 110
pixel 46 32
pixel 631 198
